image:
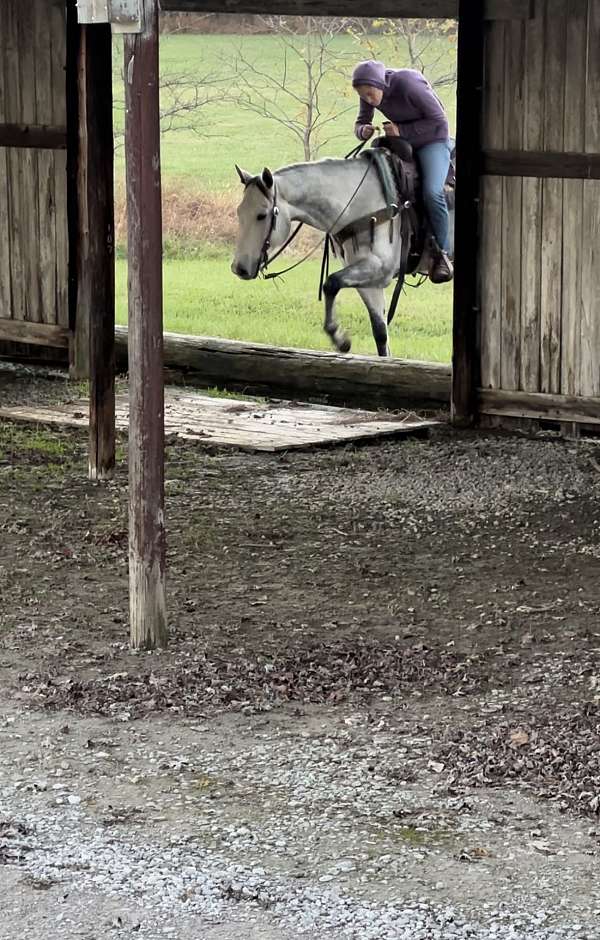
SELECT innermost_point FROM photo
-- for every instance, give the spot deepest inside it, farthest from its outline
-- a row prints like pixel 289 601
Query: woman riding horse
pixel 414 112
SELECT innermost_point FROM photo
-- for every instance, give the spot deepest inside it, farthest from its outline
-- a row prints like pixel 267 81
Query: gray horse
pixel 328 195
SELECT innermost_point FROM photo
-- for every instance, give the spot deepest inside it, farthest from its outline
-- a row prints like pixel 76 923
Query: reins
pixel 324 240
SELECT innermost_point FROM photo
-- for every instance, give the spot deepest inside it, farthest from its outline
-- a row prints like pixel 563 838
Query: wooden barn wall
pixel 540 238
pixel 33 181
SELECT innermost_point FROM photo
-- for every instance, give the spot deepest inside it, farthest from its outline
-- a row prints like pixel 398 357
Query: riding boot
pixel 442 269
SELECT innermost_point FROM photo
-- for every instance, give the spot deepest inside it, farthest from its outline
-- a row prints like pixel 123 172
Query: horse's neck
pixel 318 193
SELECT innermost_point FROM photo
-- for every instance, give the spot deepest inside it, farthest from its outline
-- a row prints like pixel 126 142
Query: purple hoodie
pixel 408 100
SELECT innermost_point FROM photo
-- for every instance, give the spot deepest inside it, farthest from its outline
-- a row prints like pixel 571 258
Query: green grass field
pixel 201 294
pixel 203 297
pixel 226 133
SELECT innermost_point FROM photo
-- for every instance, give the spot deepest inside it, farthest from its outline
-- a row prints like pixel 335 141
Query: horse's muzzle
pixel 241 271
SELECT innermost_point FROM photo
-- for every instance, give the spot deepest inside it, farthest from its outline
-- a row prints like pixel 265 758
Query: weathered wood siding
pixel 540 237
pixel 33 178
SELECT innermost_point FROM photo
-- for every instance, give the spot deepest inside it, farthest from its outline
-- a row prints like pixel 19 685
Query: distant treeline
pixel 251 24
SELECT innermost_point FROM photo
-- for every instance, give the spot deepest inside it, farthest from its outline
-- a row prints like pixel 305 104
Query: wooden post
pixel 146 393
pixel 95 256
pixel 465 366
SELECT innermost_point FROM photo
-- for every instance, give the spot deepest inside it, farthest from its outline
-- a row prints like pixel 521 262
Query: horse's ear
pixel 267 177
pixel 244 177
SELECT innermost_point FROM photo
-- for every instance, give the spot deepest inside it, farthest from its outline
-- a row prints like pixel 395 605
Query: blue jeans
pixel 434 160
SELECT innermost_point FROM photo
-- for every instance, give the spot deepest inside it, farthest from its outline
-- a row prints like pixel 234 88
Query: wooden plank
pixel 531 223
pixel 5 278
pixel 573 246
pixel 552 198
pixel 590 318
pixel 95 265
pixel 540 164
pixel 301 372
pixel 465 326
pixel 38 334
pixel 148 627
pixel 30 176
pixel 57 19
pixel 491 260
pixel 34 136
pixel 46 210
pixel 512 200
pixel 560 408
pixel 414 9
pixel 13 112
pixel 243 424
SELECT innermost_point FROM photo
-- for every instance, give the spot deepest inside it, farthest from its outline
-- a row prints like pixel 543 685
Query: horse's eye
pixel 261 216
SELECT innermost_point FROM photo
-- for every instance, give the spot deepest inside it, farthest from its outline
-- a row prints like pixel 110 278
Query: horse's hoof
pixel 342 341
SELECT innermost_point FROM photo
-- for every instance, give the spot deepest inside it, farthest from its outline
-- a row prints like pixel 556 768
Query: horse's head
pixel 264 224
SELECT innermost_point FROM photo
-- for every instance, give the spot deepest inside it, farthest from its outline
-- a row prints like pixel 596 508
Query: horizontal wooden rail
pixel 539 405
pixel 440 9
pixel 541 164
pixel 38 334
pixel 39 136
pixel 274 370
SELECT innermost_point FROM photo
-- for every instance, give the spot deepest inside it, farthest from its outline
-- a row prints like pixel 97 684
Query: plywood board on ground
pixel 273 426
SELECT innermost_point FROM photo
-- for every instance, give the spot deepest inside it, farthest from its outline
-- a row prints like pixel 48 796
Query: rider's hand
pixel 391 129
pixel 367 131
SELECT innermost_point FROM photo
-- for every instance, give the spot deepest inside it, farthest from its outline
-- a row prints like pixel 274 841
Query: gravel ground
pixel 379 716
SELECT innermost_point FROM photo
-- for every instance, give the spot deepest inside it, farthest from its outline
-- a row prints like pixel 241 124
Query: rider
pixel 414 111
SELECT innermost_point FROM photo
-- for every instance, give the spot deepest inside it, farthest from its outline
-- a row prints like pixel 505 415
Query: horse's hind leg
pixel 374 300
pixel 362 272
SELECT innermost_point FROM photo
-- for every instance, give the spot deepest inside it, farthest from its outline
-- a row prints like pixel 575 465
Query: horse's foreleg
pixel 359 273
pixel 374 300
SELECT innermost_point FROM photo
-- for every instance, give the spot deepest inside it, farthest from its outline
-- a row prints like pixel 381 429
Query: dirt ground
pixel 379 715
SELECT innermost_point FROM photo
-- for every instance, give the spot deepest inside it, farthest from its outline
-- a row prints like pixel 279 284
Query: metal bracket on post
pixel 124 16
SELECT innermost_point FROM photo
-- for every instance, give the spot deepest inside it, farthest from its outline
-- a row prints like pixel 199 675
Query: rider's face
pixel 370 94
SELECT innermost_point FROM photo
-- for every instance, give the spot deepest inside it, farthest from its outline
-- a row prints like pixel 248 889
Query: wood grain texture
pixel 559 408
pixel 491 257
pixel 243 424
pixel 300 372
pixel 512 201
pixel 38 334
pixel 466 313
pixel 590 311
pixel 5 265
pixel 531 219
pixel 444 9
pixel 573 245
pixel 552 199
pixel 148 626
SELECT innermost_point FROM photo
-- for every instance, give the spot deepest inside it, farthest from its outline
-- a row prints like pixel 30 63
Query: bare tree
pixel 298 95
pixel 426 42
pixel 182 96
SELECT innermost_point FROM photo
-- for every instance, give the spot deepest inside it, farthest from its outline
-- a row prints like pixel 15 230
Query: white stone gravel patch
pixel 173 882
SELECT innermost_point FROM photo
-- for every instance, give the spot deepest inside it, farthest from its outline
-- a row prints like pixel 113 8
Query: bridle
pixel 263 260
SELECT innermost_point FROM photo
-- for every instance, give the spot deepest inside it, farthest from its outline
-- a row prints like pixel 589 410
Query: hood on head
pixel 371 72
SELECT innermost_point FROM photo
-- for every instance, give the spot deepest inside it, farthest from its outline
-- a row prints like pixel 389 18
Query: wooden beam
pixel 541 164
pixel 539 405
pixel 443 9
pixel 95 260
pixel 465 359
pixel 38 334
pixel 300 373
pixel 415 9
pixel 148 627
pixel 38 136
